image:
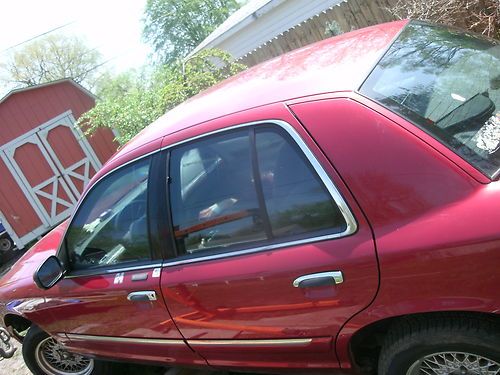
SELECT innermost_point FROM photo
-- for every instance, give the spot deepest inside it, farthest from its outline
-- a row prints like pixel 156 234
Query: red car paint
pixel 427 234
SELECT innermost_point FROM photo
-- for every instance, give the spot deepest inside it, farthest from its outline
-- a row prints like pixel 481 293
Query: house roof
pixel 28 88
pixel 258 22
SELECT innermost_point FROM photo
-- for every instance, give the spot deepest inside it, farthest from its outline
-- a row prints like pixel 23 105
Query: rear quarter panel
pixel 436 226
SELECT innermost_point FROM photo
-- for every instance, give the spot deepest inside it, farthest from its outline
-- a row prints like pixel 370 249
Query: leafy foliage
pixel 51 58
pixel 131 101
pixel 175 28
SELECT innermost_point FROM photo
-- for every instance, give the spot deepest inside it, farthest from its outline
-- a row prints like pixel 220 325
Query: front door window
pixel 110 226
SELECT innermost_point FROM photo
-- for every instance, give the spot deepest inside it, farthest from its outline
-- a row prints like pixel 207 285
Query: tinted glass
pixel 448 83
pixel 110 226
pixel 247 188
pixel 296 200
pixel 212 192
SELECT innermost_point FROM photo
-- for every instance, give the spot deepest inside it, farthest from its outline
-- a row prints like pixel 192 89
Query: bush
pixel 480 16
pixel 130 102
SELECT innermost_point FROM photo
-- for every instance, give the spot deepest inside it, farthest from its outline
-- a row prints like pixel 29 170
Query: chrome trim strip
pixel 332 189
pixel 337 277
pixel 128 340
pixel 252 250
pixel 246 343
pixel 115 270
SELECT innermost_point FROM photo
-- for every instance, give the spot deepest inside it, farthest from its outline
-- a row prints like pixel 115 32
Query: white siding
pixel 263 24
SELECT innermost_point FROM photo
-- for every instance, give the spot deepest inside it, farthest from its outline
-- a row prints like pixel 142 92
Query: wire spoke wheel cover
pixel 53 359
pixel 454 363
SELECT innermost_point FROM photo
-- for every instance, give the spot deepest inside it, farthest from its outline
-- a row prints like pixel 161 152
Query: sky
pixel 111 26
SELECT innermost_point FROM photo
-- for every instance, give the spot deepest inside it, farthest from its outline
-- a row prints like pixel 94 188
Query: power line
pixel 38 36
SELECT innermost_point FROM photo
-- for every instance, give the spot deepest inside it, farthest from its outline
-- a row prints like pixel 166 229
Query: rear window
pixel 446 82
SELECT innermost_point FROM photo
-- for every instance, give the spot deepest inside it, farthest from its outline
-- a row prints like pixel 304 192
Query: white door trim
pixel 49 218
pixel 34 130
pixel 90 157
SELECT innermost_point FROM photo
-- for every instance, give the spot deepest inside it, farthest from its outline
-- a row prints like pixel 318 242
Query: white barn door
pixel 52 164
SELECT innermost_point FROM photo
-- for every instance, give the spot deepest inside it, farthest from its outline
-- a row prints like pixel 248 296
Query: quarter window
pixel 110 226
pixel 297 202
pixel 245 188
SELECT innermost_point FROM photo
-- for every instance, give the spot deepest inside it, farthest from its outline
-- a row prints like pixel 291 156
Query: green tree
pixel 50 58
pixel 131 101
pixel 175 27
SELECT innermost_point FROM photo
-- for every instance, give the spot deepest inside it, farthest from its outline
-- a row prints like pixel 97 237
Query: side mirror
pixel 49 273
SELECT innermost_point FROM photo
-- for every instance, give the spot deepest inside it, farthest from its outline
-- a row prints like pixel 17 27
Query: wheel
pixel 442 345
pixel 45 356
pixel 6 244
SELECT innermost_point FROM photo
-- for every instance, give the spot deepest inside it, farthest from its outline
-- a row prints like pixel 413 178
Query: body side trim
pixel 246 343
pixel 242 343
pixel 130 340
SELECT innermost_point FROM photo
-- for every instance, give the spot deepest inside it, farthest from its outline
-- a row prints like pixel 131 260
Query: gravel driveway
pixel 14 365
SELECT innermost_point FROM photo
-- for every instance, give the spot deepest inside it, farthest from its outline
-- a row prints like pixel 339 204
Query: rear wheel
pixel 452 345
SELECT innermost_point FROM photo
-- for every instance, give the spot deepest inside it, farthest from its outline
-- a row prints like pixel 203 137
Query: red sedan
pixel 335 209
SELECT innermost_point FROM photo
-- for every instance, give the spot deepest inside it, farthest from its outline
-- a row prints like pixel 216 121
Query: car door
pixel 273 255
pixel 109 303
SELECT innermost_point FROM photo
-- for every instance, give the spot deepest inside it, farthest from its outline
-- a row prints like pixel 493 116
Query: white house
pixel 262 21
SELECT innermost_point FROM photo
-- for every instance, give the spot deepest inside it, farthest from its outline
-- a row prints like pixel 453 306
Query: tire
pixel 6 244
pixel 38 347
pixel 442 344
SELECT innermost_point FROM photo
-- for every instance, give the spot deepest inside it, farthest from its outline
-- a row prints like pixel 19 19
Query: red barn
pixel 45 160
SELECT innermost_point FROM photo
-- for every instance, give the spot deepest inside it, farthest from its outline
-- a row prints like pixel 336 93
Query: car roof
pixel 336 64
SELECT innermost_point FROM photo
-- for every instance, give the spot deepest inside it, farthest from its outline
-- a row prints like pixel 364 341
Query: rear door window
pixel 214 200
pixel 247 188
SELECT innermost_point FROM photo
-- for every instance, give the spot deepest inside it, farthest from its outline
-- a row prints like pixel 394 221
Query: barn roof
pixel 34 87
pixel 258 22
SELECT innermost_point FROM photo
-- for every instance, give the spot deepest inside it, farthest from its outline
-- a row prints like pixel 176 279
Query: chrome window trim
pixel 128 340
pixel 110 271
pixel 351 224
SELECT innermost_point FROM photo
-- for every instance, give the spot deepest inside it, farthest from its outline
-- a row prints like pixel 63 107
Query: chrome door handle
pixel 145 295
pixel 319 279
